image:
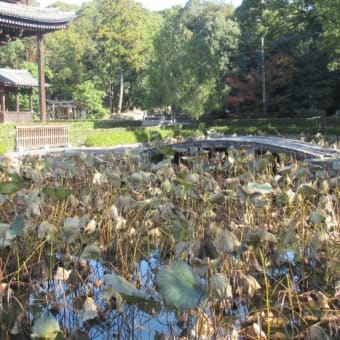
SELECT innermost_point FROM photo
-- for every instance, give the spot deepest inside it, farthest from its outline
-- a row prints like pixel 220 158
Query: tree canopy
pixel 202 59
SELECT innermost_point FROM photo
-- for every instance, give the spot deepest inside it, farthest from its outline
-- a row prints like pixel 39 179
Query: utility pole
pixel 263 71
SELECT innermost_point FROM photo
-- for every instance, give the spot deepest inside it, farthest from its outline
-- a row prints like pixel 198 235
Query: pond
pixel 217 245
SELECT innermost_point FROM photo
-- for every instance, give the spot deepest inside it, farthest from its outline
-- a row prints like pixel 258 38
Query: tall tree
pixel 290 27
pixel 124 42
pixel 328 12
pixel 192 57
pixel 68 51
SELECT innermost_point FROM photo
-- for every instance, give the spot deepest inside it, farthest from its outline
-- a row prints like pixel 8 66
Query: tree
pixel 124 42
pixel 12 54
pixel 90 98
pixel 192 57
pixel 328 13
pixel 292 28
pixel 67 52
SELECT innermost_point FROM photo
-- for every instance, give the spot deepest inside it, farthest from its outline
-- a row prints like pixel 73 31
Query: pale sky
pixel 153 5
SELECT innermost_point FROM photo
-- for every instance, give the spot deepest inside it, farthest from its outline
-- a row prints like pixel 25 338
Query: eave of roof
pixel 17 78
pixel 35 14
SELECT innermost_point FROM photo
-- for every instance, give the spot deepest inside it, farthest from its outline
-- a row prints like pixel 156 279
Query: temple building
pixel 18 19
pixel 14 83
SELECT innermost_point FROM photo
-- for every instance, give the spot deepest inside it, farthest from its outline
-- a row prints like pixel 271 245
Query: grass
pixel 115 132
pixel 108 137
pixel 7 138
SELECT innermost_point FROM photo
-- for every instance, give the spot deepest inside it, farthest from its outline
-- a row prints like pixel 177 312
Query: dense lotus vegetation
pixel 219 245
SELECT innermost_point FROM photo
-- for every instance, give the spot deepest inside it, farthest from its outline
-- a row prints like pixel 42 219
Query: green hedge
pixel 108 137
pixel 7 138
pixel 106 132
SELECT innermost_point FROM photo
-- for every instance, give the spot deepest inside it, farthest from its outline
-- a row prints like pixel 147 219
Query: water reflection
pixel 64 300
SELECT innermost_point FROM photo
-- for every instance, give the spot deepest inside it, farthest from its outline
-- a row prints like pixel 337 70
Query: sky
pixel 153 5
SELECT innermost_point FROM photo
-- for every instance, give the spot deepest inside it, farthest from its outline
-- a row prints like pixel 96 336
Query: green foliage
pixel 179 286
pixel 328 13
pixel 70 53
pixel 3 149
pixel 7 138
pixel 126 136
pixel 125 46
pixel 87 96
pixel 57 194
pixel 296 74
pixel 16 227
pixel 180 59
pixel 192 55
pixel 12 54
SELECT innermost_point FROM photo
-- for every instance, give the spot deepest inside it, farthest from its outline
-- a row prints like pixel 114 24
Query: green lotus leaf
pixel 128 291
pixel 3 229
pixel 149 203
pixel 255 237
pixel 10 187
pixel 63 164
pixel 140 177
pixel 91 251
pixel 71 228
pixel 258 188
pixel 321 237
pixel 192 178
pixel 16 228
pixel 316 217
pixel 46 229
pixel 46 327
pixel 302 173
pixel 226 241
pixel 122 290
pixel 217 198
pixel 179 286
pixel 307 190
pixel 57 194
pixel 166 150
pixel 260 164
pixel 285 198
pixel 116 182
pixel 315 332
pixel 220 286
pixel 108 293
pixel 167 186
pixel 161 165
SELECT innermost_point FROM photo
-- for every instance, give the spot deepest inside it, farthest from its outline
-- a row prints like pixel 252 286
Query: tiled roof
pixel 17 78
pixel 36 14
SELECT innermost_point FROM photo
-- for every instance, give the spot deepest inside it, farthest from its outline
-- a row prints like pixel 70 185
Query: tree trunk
pixel 111 106
pixel 121 90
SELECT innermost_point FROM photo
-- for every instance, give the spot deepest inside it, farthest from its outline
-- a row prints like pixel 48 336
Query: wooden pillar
pixel 17 100
pixel 2 101
pixel 41 71
pixel 31 99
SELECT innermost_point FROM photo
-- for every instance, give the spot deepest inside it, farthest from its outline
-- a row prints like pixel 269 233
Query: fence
pixel 16 117
pixel 35 137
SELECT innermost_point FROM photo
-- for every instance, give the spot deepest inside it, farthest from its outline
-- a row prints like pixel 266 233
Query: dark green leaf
pixel 10 187
pixel 16 228
pixel 57 193
pixel 179 286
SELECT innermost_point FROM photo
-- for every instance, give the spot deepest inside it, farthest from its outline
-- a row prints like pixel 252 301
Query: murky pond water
pixel 219 245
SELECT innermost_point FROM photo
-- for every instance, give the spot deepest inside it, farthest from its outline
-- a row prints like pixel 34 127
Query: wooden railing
pixel 16 117
pixel 35 137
